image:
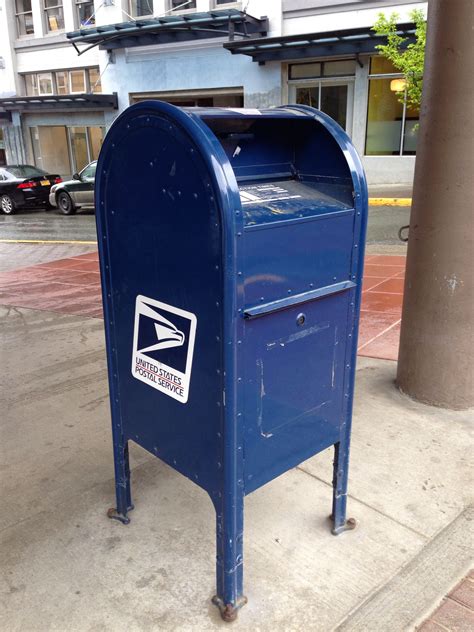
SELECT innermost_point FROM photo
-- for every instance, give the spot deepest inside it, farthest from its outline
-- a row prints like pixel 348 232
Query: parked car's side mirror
pixel 76 176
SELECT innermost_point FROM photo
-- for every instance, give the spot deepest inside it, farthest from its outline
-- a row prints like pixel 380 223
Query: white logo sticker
pixel 163 345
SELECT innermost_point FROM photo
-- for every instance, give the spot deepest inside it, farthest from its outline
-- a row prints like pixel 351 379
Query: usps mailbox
pixel 231 248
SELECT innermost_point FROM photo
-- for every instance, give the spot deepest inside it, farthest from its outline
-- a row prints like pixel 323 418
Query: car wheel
pixel 7 205
pixel 65 204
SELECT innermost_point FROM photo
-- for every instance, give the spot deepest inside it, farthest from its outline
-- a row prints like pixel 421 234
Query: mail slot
pixel 231 249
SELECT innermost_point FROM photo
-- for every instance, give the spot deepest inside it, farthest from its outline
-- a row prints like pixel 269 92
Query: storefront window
pixel 308 70
pixel 392 127
pixel 54 16
pixel 333 98
pixel 64 150
pixel 50 148
pixel 78 140
pixel 334 102
pixel 410 131
pixel 141 7
pixel 96 136
pixel 24 17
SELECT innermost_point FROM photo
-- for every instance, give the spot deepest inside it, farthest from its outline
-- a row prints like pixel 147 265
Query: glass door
pixel 334 98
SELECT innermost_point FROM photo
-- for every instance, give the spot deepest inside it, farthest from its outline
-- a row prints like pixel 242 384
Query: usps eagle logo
pixel 167 334
pixel 163 347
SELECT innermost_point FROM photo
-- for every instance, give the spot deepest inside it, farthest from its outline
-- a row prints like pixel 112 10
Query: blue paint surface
pixel 223 215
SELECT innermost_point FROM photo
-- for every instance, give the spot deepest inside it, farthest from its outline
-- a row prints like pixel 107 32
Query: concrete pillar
pixel 437 338
pixel 14 144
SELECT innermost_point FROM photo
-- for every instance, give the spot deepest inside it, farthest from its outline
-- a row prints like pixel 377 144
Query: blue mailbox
pixel 231 249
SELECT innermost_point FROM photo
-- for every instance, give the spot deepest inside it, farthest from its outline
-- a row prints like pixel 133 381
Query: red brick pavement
pixel 72 286
pixel 456 611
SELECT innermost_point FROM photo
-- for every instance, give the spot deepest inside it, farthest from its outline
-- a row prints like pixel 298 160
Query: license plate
pixel 45 183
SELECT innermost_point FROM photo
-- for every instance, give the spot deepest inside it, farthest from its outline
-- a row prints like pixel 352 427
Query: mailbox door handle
pixel 289 301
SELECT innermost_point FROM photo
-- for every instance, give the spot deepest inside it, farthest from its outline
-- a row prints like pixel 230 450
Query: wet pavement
pixel 72 286
pixel 384 222
pixel 48 225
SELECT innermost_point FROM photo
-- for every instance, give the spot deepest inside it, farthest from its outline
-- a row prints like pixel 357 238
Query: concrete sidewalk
pixel 66 567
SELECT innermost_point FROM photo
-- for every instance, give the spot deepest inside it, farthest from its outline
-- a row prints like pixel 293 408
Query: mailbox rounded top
pixel 293 146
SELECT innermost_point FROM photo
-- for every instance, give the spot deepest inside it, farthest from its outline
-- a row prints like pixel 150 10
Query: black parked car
pixel 71 195
pixel 24 186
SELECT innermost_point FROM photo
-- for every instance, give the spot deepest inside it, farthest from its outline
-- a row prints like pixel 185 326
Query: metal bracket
pixel 229 612
pixel 349 525
pixel 113 514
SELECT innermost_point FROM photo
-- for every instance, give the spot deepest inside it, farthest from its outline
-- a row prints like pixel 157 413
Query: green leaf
pixel 408 59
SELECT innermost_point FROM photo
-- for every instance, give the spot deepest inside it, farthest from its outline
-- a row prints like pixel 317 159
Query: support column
pixel 437 338
pixel 14 143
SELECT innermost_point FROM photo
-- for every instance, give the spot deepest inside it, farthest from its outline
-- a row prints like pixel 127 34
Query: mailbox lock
pixel 300 319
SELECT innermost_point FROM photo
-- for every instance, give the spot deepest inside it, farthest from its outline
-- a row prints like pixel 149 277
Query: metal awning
pixel 327 44
pixel 172 28
pixel 55 103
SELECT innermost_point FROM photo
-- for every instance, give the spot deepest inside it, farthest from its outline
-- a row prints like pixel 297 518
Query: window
pixel 96 136
pixel 31 83
pixel 331 98
pixel 339 68
pixel 85 12
pixel 78 140
pixel 54 15
pixel 182 5
pixel 77 81
pixel 62 82
pixel 94 80
pixel 45 83
pixel 65 150
pixel 25 171
pixel 24 17
pixel 327 86
pixel 141 7
pixel 88 174
pixel 50 149
pixel 392 127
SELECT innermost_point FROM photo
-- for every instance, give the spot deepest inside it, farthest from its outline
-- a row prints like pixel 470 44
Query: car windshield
pixel 89 172
pixel 25 171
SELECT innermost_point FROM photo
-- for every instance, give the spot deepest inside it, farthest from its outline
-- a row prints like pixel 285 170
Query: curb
pixel 375 201
pixel 410 596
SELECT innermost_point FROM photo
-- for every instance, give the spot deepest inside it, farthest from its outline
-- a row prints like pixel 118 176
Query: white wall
pixel 7 52
pixel 346 19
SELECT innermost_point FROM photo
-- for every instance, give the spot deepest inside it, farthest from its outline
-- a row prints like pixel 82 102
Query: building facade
pixel 52 100
pixel 190 52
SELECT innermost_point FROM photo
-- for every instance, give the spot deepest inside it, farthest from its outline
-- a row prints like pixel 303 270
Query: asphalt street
pixel 384 223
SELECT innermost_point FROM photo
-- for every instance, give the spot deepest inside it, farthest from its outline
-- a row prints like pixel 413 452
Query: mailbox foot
pixel 113 514
pixel 229 612
pixel 349 525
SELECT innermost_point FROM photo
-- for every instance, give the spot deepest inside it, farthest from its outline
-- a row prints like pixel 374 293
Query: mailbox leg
pixel 229 597
pixel 122 484
pixel 339 484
